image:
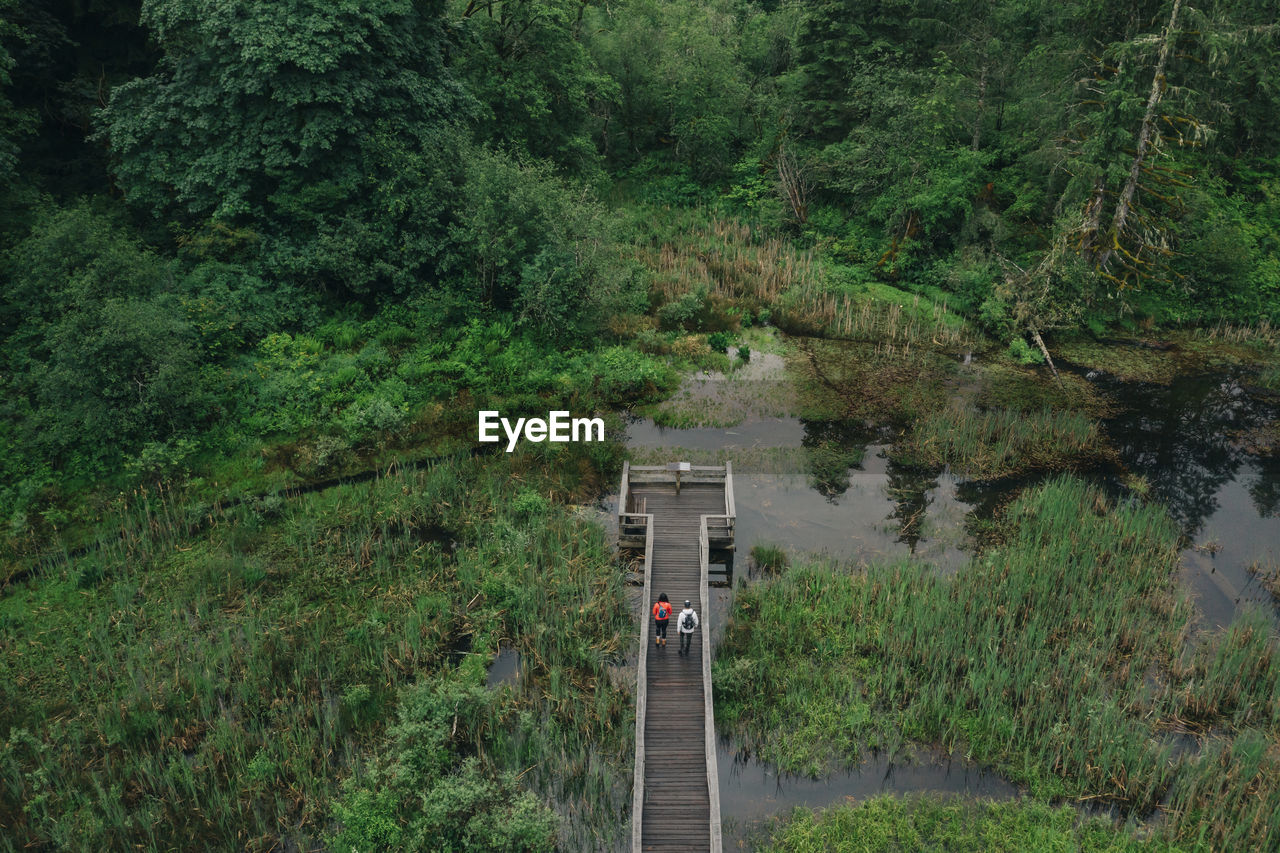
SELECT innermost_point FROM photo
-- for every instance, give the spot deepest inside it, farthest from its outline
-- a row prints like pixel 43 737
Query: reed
pixel 1261 333
pixel 737 264
pixel 985 445
pixel 1056 657
pixel 769 558
pixel 727 257
pixel 954 824
pixel 211 678
pixel 896 321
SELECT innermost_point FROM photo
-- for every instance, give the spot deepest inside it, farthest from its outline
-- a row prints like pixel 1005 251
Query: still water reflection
pixel 1186 440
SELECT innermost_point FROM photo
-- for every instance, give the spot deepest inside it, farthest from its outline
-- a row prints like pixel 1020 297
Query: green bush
pixel 428 796
pixel 1024 353
pixel 685 311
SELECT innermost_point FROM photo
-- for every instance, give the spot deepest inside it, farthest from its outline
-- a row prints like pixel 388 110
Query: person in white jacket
pixel 686 624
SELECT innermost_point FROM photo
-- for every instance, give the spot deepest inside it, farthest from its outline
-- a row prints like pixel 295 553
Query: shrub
pixel 1023 353
pixel 684 312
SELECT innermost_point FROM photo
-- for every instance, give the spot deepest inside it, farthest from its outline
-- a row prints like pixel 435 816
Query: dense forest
pixel 248 247
pixel 205 203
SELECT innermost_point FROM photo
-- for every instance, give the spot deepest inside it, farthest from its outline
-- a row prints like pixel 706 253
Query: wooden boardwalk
pixel 676 804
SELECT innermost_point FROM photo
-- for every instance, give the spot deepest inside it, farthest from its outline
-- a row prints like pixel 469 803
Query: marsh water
pixel 1190 442
pixel 1186 442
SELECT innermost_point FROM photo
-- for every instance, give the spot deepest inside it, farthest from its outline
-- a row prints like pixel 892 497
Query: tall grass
pixel 1000 442
pixel 896 325
pixel 736 263
pixel 1056 657
pixel 1261 333
pixel 908 824
pixel 212 685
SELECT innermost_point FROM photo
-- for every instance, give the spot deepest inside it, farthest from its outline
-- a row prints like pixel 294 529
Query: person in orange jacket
pixel 661 614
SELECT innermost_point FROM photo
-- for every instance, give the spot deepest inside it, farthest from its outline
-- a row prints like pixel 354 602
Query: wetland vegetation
pixel 262 267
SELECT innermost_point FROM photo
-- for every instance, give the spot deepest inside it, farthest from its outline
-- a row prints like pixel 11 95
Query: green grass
pixel 216 687
pixel 770 558
pixel 1060 657
pixel 984 445
pixel 909 824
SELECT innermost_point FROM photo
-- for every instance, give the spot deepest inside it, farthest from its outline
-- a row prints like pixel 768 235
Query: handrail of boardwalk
pixel 642 691
pixel 730 510
pixel 709 739
pixel 624 492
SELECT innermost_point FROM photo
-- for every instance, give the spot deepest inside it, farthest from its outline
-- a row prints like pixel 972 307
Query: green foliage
pixel 97 347
pixel 685 311
pixel 1072 690
pixel 539 247
pixel 239 699
pixel 529 505
pixel 429 797
pixel 681 84
pixel 621 374
pixel 15 123
pixel 1024 353
pixel 296 122
pixel 891 824
pixel 537 86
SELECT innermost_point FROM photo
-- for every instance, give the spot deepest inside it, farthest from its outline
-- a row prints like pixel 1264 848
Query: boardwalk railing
pixel 720 528
pixel 713 776
pixel 642 682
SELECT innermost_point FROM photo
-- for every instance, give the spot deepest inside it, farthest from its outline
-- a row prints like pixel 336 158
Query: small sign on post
pixel 679 468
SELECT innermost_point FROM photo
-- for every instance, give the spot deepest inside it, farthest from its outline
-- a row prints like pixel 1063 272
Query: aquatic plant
pixel 1056 657
pixel 957 825
pixel 769 558
pixel 984 445
pixel 211 674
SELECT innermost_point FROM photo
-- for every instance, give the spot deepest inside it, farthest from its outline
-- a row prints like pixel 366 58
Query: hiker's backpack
pixel 687 622
pixel 664 610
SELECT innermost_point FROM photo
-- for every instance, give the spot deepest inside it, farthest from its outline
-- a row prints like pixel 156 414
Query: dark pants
pixel 686 640
pixel 660 628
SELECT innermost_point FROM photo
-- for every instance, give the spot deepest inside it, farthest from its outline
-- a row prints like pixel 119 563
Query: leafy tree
pixel 66 57
pixel 293 119
pixel 844 44
pixel 538 87
pixel 538 246
pixel 682 84
pixel 100 356
pixel 14 123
